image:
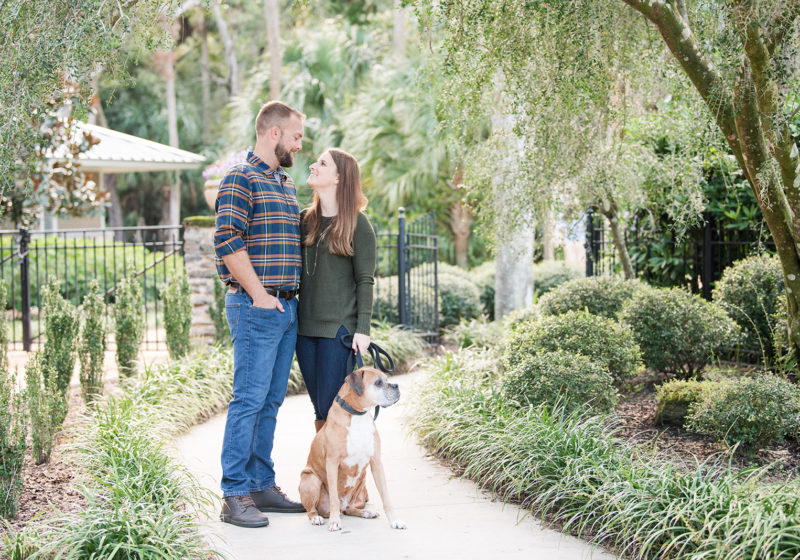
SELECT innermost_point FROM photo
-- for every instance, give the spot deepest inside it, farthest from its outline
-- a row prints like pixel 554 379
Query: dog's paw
pixel 369 514
pixel 397 524
pixel 317 520
pixel 334 526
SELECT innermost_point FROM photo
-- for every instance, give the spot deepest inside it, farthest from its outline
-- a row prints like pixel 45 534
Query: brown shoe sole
pixel 228 519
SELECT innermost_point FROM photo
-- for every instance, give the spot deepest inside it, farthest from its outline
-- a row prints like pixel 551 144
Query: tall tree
pixel 272 17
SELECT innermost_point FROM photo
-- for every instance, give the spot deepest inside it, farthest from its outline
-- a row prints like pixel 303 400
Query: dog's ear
pixel 356 381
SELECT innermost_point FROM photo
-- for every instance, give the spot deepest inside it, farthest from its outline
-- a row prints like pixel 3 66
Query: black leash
pixel 377 353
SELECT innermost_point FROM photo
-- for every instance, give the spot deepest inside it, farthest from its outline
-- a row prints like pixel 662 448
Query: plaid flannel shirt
pixel 256 210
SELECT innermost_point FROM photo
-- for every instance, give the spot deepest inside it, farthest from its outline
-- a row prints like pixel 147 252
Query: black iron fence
pixel 406 281
pixel 695 261
pixel 72 258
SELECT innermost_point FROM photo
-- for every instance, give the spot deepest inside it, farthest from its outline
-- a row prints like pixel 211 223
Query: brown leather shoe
pixel 274 500
pixel 242 512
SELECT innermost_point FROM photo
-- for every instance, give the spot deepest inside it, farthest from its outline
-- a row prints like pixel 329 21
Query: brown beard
pixel 285 157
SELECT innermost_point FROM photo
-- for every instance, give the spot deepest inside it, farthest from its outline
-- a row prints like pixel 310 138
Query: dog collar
pixel 352 410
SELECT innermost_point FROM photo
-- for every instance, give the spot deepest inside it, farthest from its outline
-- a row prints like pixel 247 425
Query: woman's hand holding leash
pixel 360 343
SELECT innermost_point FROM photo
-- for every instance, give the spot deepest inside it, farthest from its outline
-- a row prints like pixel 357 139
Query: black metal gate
pixel 406 280
pixel 74 257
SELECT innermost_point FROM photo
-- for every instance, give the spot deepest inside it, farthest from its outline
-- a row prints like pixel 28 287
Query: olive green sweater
pixel 336 290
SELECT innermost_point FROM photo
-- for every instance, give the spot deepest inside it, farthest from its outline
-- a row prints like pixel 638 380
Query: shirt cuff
pixel 363 324
pixel 229 246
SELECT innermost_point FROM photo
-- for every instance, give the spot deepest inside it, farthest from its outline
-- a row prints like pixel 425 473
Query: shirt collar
pixel 264 167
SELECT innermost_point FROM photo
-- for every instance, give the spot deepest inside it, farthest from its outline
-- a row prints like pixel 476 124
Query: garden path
pixel 447 517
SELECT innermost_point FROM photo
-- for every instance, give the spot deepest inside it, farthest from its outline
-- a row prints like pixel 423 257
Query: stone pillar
pixel 198 250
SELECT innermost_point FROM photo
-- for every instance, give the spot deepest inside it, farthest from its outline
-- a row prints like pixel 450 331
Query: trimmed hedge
pixel 675 399
pixel 548 275
pixel 752 412
pixel 603 340
pixel 599 295
pixel 749 291
pixel 458 299
pixel 678 332
pixel 571 380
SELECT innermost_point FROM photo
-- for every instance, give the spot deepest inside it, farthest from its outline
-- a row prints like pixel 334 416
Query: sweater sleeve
pixel 364 249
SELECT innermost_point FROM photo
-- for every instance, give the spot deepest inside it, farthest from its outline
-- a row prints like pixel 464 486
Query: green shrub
pixel 47 407
pixel 750 411
pixel 571 380
pixel 675 399
pixel 92 344
pixel 603 340
pixel 216 309
pixel 458 299
pixel 548 275
pixel 176 297
pixel 129 323
pixel 483 277
pixel 599 295
pixel 475 332
pixel 748 291
pixel 4 334
pixel 519 316
pixel 385 303
pixel 678 332
pixel 443 268
pixel 61 326
pixel 784 358
pixel 12 444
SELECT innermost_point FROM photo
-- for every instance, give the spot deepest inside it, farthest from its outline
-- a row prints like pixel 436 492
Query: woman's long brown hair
pixel 350 201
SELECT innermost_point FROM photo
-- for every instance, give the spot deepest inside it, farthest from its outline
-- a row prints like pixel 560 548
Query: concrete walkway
pixel 446 517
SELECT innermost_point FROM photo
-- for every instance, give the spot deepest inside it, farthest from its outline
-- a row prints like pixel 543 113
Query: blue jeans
pixel 323 363
pixel 263 348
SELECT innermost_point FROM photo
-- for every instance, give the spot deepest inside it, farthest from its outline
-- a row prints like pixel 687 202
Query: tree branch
pixel 707 80
pixel 781 25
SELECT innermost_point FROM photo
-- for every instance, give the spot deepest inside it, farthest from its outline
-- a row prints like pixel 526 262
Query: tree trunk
pixel 205 77
pixel 460 223
pixel 619 241
pixel 399 34
pixel 114 212
pixel 230 51
pixel 548 232
pixel 272 15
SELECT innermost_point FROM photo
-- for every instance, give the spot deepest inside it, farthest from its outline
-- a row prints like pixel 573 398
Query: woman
pixel 335 298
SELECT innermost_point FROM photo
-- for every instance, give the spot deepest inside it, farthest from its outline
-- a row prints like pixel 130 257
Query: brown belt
pixel 282 294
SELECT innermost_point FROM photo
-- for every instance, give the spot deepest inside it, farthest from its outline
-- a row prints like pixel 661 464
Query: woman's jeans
pixel 323 363
pixel 263 348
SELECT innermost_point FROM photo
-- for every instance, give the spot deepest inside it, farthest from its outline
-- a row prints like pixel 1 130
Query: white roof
pixel 118 152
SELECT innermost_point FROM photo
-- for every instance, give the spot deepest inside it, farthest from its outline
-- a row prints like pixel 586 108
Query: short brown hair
pixel 275 113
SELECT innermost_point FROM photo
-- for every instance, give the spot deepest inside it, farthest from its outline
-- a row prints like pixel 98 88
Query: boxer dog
pixel 336 470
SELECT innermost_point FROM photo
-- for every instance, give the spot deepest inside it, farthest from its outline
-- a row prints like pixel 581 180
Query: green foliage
pixel 476 332
pixel 678 332
pixel 484 277
pixel 748 291
pixel 564 378
pixel 43 43
pixel 605 341
pixel 458 299
pixel 4 334
pixel 12 444
pixel 524 315
pixel 176 297
pixel 47 406
pixel 599 295
pixel 140 502
pixel 92 344
pixel 675 399
pixel 548 275
pixel 129 322
pixel 569 468
pixel 216 308
pixel 106 262
pixel 752 412
pixel 61 326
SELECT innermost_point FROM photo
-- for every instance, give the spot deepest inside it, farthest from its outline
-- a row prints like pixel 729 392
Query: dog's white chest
pixel 360 441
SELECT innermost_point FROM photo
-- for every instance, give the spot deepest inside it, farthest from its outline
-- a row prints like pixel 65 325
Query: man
pixel 257 243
